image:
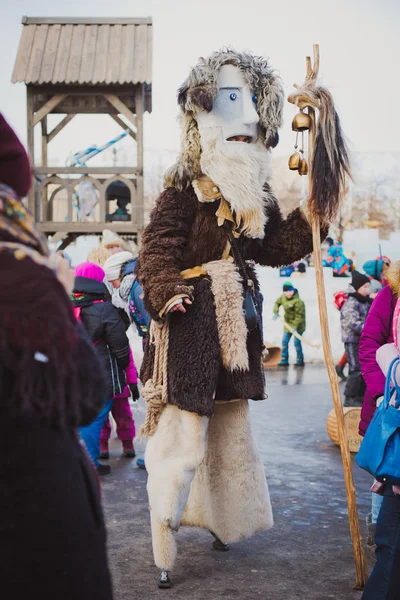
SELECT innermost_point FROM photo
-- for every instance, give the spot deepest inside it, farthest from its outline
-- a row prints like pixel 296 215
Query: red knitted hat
pixel 15 170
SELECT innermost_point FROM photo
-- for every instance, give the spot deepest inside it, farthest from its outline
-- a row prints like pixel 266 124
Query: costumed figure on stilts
pixel 215 219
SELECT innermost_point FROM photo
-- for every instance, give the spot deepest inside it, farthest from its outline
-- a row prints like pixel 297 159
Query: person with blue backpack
pixel 120 273
pixel 380 455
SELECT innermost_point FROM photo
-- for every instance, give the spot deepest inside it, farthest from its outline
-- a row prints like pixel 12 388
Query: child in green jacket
pixel 294 312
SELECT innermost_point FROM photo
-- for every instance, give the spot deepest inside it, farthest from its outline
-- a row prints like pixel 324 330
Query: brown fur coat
pixel 184 233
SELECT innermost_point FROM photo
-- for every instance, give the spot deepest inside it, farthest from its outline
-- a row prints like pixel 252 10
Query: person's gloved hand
pixel 276 315
pixel 134 391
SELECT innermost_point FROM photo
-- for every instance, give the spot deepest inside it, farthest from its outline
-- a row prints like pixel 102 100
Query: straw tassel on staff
pixel 329 165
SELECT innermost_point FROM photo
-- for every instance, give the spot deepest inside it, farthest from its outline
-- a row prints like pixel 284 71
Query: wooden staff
pixel 358 549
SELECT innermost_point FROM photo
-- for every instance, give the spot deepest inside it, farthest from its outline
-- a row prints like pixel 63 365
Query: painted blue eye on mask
pixel 233 96
pixel 255 99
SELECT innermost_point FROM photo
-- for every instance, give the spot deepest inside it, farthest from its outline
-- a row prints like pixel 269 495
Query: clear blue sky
pixel 359 43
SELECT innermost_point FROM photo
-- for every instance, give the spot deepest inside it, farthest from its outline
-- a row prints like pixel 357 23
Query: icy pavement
pixel 306 556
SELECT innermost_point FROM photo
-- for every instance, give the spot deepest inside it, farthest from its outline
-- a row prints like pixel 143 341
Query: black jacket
pixel 106 329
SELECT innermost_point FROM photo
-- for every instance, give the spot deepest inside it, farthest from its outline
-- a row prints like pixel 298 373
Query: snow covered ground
pixel 271 287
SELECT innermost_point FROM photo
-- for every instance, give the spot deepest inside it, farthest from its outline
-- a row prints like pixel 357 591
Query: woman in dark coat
pixel 103 324
pixel 52 533
pixel 377 331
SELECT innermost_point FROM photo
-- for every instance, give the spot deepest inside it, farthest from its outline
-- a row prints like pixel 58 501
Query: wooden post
pixel 139 141
pixel 43 214
pixel 31 146
pixel 358 549
pixel 44 141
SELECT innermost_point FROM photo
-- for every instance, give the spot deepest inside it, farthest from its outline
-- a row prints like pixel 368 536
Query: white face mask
pixel 234 110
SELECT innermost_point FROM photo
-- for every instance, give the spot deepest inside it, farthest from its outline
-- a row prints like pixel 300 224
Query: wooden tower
pixel 85 66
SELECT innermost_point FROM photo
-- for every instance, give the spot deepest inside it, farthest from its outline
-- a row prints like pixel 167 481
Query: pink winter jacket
pixel 377 331
pixel 388 352
pixel 131 377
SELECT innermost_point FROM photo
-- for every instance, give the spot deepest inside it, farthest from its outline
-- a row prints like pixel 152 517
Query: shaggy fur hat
pixel 98 256
pixel 199 91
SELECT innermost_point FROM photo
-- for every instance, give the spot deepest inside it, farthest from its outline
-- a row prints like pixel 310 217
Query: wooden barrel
pixel 351 422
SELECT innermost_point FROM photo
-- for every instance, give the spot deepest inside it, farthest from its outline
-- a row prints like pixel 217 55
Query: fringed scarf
pixel 47 366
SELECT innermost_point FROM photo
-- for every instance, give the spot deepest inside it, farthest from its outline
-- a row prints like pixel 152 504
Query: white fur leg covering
pixel 229 494
pixel 164 545
pixel 172 455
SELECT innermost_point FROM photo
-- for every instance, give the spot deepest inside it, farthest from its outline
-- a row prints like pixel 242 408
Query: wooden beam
pixel 59 128
pixel 48 107
pixel 121 107
pixel 44 141
pixel 53 227
pixel 87 89
pixel 106 171
pixel 124 126
pixel 85 21
pixel 139 140
pixel 31 145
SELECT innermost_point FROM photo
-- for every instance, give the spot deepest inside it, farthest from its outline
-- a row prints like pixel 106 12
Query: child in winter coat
pixel 121 411
pixel 294 311
pixel 352 316
pixel 104 326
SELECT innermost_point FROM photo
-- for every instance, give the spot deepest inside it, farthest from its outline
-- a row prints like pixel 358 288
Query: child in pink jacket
pixel 121 411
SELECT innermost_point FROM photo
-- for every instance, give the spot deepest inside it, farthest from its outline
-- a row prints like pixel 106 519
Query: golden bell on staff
pixel 294 161
pixel 301 122
pixel 303 167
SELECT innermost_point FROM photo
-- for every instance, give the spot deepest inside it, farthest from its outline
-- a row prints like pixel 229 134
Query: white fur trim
pixel 172 455
pixel 227 289
pixel 240 171
pixel 229 494
pixel 218 463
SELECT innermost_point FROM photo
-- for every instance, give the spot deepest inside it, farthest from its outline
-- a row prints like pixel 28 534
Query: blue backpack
pixel 137 312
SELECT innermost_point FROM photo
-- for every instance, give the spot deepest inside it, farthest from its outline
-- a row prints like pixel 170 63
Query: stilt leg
pixel 219 544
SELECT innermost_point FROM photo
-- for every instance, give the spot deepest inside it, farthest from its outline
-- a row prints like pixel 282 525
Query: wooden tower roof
pixel 84 51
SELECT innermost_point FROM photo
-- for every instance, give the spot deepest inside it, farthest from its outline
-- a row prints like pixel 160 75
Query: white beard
pixel 240 171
